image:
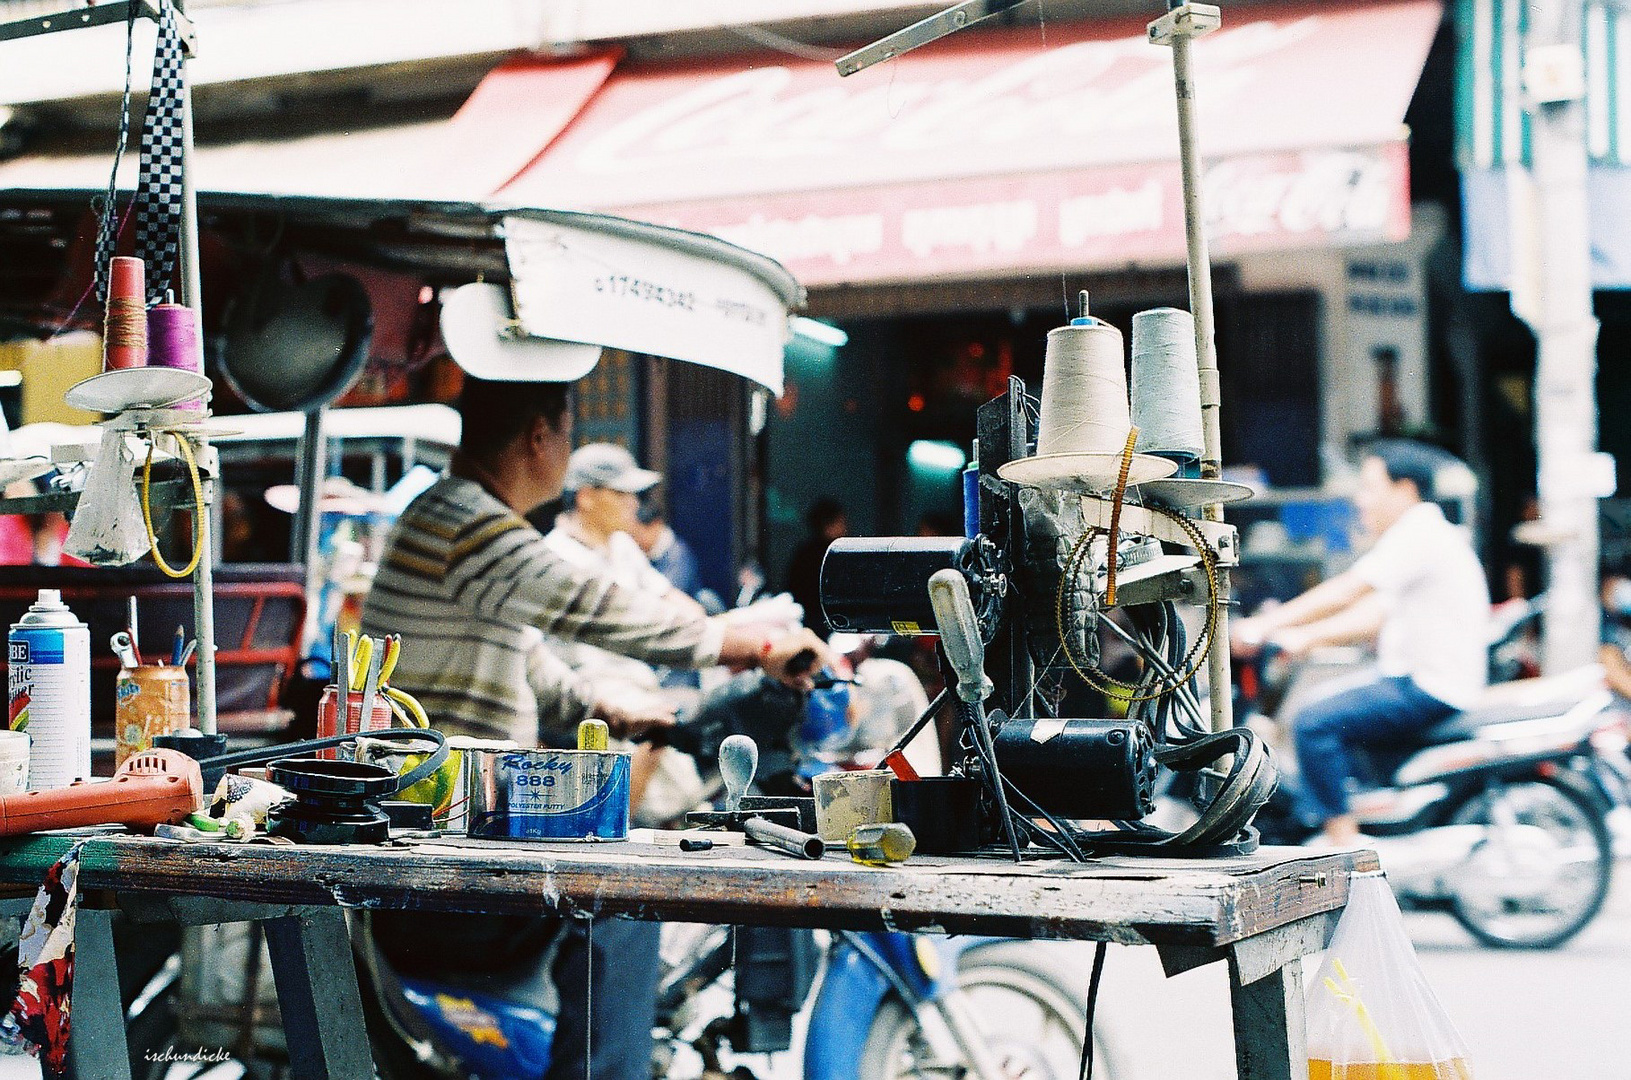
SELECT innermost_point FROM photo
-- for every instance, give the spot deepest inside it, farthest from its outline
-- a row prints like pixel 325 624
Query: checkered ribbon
pixel 158 186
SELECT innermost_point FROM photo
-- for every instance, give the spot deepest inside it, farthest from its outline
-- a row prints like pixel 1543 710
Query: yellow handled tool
pixel 593 735
pixel 880 845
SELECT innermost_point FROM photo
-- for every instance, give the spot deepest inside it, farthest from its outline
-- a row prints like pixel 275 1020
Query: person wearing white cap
pixel 602 490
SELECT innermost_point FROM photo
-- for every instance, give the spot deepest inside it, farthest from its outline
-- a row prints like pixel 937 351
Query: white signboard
pixel 633 291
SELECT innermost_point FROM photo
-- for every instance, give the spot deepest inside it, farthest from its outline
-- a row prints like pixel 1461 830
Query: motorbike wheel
pixel 1029 1006
pixel 1514 893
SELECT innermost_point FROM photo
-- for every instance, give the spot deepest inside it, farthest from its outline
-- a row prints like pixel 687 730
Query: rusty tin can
pixel 149 700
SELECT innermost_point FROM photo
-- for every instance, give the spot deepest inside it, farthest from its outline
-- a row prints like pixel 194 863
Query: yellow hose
pixel 201 519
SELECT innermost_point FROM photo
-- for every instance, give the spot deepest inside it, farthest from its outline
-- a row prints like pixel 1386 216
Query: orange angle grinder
pixel 151 788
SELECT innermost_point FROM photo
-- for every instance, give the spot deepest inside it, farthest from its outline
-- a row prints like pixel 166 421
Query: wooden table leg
pixel 96 1041
pixel 318 995
pixel 1270 1037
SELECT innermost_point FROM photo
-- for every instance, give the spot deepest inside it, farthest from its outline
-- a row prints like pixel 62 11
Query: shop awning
pixel 1001 152
pixel 501 128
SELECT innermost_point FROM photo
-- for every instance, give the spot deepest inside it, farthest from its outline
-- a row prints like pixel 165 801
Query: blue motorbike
pixel 888 1005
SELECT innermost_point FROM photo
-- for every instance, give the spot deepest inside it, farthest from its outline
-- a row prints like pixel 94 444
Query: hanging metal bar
pixel 112 11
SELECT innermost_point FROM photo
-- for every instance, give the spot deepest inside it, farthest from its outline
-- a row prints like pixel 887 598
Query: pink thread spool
pixel 124 330
pixel 172 334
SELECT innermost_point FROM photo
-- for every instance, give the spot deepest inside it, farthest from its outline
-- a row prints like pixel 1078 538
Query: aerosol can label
pixel 49 678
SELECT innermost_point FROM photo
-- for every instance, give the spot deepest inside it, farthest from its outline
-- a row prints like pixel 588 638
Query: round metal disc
pixel 1093 474
pixel 1184 493
pixel 135 388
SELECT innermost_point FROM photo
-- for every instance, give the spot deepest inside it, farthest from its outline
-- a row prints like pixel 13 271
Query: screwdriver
pixel 880 845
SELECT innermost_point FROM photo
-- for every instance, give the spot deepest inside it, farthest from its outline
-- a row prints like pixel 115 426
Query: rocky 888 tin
pixel 548 794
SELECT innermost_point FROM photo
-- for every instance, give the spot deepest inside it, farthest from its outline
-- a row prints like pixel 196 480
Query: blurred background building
pixel 944 210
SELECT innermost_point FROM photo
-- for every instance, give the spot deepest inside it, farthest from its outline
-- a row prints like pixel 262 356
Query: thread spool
pixel 124 331
pixel 1084 391
pixel 1166 387
pixel 172 335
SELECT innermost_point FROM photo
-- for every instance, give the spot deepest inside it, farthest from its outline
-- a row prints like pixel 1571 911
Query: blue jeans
pixel 621 979
pixel 1387 710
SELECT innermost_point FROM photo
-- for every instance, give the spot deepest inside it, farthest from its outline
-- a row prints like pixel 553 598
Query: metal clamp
pixel 1186 20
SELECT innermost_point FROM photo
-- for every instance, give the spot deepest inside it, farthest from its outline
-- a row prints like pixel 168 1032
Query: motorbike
pixel 1496 815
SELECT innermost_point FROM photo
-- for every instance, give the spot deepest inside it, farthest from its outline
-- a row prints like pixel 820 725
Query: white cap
pixel 50 598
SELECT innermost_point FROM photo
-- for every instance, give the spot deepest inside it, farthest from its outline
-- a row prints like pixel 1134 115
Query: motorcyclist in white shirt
pixel 1420 594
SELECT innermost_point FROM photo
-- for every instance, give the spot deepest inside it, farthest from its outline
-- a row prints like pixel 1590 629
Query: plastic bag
pixel 108 529
pixel 1371 1014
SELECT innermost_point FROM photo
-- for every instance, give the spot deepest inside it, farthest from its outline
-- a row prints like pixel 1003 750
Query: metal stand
pixel 1178 28
pixel 191 295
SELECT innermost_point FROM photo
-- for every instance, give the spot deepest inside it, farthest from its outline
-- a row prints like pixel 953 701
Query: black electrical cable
pixel 1092 1006
pixel 1061 837
pixel 973 716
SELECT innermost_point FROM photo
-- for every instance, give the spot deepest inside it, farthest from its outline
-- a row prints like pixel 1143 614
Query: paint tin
pixel 148 701
pixel 547 794
pixel 844 801
pixel 49 678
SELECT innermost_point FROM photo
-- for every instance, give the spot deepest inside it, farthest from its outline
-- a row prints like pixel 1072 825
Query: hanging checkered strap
pixel 158 187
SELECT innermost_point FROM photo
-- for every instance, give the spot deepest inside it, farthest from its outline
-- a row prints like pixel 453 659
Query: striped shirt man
pixel 473 588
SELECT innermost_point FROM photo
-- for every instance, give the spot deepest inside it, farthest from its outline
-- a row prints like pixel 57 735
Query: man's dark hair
pixel 494 414
pixel 1405 459
pixel 822 514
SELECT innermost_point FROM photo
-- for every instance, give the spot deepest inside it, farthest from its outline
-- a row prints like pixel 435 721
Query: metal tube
pixel 192 293
pixel 800 845
pixel 310 468
pixel 1219 677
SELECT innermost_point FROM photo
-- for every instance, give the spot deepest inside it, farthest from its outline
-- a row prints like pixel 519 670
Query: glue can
pixel 49 654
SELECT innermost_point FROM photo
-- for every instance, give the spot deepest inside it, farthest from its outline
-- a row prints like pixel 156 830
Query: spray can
pixel 49 653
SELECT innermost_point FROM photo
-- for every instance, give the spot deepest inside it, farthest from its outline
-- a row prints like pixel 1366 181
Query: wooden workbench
pixel 1259 913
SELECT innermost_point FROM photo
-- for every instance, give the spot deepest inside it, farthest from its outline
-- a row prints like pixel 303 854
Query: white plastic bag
pixel 108 529
pixel 1371 1014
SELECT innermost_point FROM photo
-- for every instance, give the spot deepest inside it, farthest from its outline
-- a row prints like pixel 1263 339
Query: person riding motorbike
pixel 475 589
pixel 1419 593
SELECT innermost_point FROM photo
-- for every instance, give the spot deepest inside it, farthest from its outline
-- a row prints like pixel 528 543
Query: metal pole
pixel 1556 302
pixel 192 294
pixel 309 473
pixel 1178 28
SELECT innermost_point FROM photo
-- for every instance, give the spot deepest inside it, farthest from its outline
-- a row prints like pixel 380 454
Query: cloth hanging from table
pixel 159 182
pixel 38 1019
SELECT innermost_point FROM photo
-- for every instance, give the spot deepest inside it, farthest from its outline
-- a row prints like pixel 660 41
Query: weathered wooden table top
pixel 1212 902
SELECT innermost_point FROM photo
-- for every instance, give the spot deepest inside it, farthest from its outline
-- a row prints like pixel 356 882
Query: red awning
pixel 499 130
pixel 999 152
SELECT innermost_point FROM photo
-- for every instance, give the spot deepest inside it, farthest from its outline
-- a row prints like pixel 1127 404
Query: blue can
pixel 548 794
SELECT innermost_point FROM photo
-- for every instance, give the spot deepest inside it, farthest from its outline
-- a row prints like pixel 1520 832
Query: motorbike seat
pixel 1466 724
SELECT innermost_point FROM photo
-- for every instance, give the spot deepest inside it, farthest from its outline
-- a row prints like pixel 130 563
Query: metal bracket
pixel 1137 521
pixel 1187 20
pixel 922 33
pixel 111 11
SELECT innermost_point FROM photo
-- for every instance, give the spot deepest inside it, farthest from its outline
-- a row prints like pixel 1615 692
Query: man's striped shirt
pixel 472 588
